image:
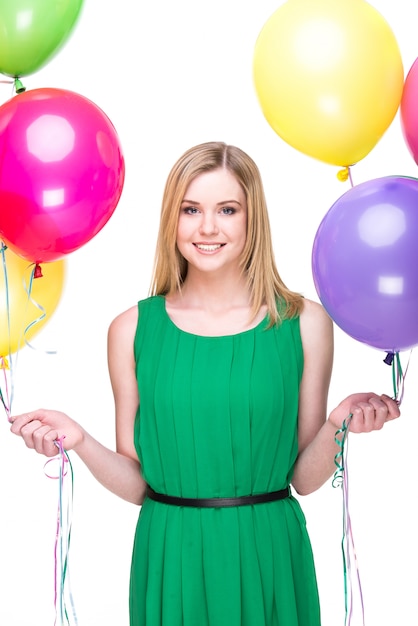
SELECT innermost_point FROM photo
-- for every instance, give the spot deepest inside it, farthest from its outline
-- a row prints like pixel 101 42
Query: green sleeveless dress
pixel 218 418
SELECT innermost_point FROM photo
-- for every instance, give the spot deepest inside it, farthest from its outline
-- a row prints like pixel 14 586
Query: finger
pixel 368 416
pixel 43 440
pixel 392 405
pixel 18 421
pixel 381 412
pixel 364 416
pixel 358 423
pixel 50 443
pixel 27 430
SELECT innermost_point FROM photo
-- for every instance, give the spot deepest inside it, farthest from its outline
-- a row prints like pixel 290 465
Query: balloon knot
pixel 19 88
pixel 389 358
pixel 344 174
pixel 37 271
pixel 4 363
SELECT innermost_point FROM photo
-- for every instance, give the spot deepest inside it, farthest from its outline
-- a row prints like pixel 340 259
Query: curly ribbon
pixel 36 272
pixel 65 614
pixel 340 479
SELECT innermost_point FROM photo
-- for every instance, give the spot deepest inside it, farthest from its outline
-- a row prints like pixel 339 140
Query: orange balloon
pixel 26 302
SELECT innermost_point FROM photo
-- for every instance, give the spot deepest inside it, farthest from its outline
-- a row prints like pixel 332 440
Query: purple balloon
pixel 365 263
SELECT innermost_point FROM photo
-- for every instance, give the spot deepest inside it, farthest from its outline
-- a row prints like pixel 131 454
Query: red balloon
pixel 61 172
pixel 409 111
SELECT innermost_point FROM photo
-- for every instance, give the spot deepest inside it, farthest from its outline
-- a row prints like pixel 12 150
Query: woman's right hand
pixel 40 430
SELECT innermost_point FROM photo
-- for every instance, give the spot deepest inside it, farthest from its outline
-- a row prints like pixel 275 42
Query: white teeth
pixel 207 247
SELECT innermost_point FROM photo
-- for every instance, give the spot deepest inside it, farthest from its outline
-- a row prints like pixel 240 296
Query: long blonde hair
pixel 170 267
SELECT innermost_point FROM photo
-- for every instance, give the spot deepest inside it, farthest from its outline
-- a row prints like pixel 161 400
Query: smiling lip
pixel 208 247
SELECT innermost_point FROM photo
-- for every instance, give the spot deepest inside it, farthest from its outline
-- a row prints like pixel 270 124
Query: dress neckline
pixel 255 328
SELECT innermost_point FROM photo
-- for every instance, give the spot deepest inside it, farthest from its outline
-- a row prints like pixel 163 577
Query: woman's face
pixel 212 226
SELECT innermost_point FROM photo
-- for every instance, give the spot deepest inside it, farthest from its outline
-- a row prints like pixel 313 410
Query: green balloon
pixel 32 32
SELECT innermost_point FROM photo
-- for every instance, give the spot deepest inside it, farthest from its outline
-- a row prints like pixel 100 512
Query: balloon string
pixel 10 82
pixel 35 273
pixel 6 364
pixel 65 614
pixel 398 375
pixel 340 479
pixel 5 396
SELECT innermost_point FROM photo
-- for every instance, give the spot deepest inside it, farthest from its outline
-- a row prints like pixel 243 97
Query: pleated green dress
pixel 218 418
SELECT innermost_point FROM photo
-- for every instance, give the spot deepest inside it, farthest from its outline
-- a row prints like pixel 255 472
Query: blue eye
pixel 227 210
pixel 190 210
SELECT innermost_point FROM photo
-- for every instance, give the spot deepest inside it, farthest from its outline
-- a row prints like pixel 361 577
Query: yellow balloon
pixel 329 77
pixel 18 308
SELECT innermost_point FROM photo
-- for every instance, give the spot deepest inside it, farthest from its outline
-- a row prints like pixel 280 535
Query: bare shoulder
pixel 124 324
pixel 315 318
pixel 317 334
pixel 316 329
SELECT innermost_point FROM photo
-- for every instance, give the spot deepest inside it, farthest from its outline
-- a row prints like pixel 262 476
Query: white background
pixel 170 75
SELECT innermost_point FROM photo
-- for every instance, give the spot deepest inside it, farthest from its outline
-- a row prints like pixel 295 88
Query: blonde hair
pixel 170 268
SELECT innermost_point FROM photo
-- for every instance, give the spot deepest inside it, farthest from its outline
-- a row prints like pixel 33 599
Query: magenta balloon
pixel 365 263
pixel 409 111
pixel 61 172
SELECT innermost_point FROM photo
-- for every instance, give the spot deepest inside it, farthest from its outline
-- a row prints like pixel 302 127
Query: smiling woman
pixel 220 382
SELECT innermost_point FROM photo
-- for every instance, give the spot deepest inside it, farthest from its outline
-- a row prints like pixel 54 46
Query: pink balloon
pixel 61 172
pixel 409 110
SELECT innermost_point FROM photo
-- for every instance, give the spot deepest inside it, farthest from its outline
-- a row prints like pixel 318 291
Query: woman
pixel 220 380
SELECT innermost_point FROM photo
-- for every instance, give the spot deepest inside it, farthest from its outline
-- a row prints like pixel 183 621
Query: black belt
pixel 218 502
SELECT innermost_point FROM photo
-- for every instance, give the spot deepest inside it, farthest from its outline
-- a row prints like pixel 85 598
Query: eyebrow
pixel 217 204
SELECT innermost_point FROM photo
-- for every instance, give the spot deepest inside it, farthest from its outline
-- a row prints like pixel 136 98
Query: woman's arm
pixel 117 471
pixel 316 434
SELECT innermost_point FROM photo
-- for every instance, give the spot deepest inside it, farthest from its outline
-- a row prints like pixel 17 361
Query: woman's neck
pixel 214 293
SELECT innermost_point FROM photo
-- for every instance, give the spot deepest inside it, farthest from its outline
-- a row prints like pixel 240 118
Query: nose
pixel 208 224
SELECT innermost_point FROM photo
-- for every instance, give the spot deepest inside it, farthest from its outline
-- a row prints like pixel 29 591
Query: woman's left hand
pixel 369 412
